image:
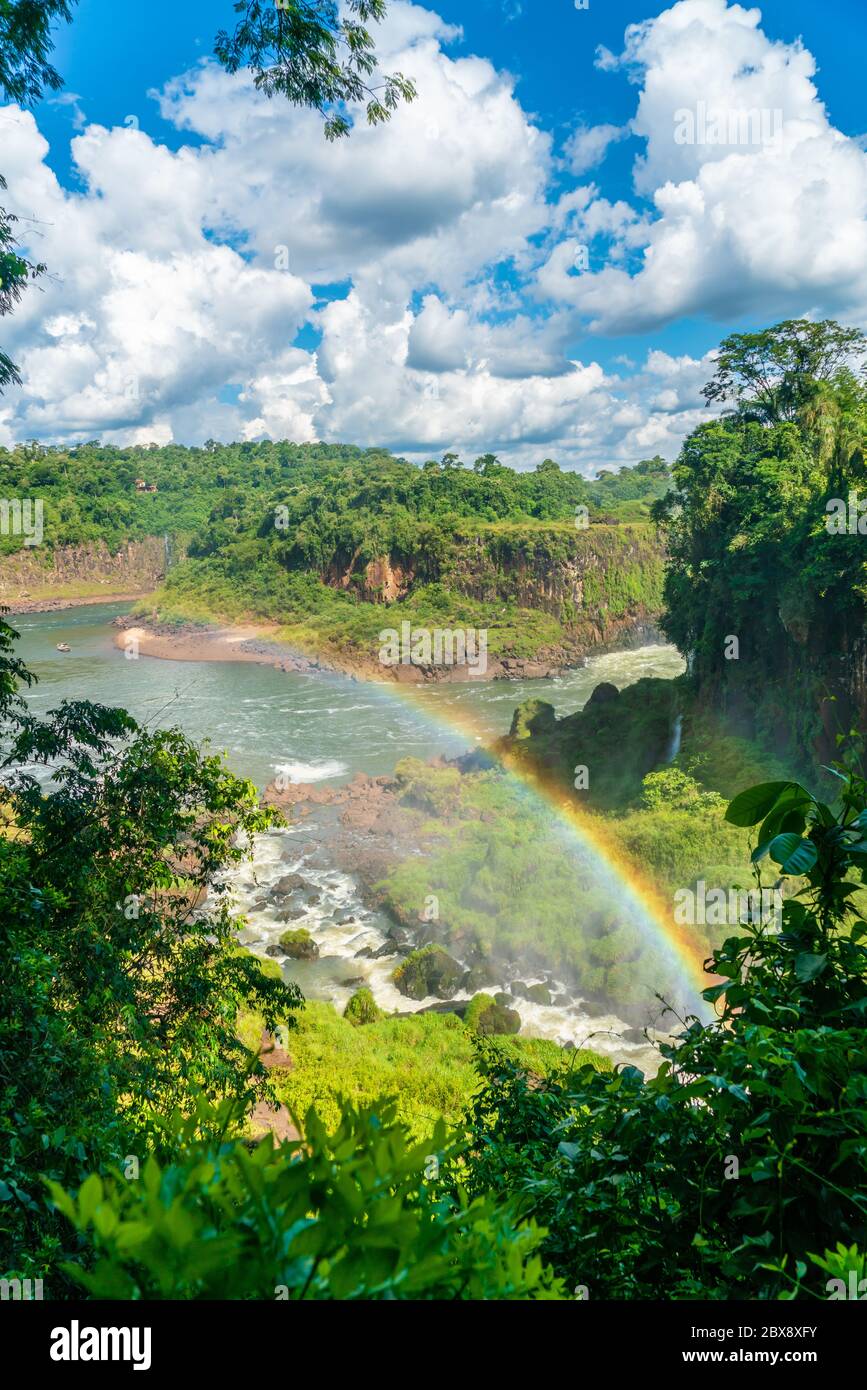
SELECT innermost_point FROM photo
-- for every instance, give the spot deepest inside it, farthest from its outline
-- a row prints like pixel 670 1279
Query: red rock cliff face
pixel 379 581
pixel 385 582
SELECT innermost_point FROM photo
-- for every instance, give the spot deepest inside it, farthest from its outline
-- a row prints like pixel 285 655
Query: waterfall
pixel 674 741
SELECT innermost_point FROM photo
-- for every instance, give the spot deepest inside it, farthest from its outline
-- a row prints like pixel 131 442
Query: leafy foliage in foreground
pixel 738 1168
pixel 121 986
pixel 357 1213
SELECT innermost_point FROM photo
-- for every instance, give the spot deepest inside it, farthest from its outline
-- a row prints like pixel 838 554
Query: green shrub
pixel 363 1008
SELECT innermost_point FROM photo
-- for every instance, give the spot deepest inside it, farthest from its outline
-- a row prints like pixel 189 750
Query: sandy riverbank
pixel 221 644
pixel 260 643
pixel 257 643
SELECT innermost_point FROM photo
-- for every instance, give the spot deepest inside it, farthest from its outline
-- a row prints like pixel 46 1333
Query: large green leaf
pixel 761 850
pixel 793 854
pixel 751 806
pixel 789 812
pixel 808 966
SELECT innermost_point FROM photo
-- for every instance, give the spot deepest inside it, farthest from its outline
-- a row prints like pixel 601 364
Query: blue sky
pixel 509 292
pixel 114 53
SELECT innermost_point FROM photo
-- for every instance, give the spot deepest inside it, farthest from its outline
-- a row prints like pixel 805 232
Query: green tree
pixel 744 524
pixel 15 274
pixel 772 375
pixel 26 42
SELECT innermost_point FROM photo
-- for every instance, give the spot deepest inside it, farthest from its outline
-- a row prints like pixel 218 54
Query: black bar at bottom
pixel 62 1340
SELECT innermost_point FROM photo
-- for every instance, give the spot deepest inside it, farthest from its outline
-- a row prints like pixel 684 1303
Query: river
pixel 319 728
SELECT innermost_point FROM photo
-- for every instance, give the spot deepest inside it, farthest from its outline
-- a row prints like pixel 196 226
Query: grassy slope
pixel 424 1061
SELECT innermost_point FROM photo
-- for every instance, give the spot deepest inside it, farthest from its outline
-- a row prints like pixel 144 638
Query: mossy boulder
pixel 486 1017
pixel 498 1020
pixel 536 994
pixel 299 944
pixel 428 971
pixel 363 1008
pixel 620 736
pixel 604 694
pixel 533 718
pixel 478 1005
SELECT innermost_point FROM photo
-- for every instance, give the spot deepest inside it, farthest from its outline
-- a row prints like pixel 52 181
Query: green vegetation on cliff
pixel 317 538
pixel 767 578
pixel 441 546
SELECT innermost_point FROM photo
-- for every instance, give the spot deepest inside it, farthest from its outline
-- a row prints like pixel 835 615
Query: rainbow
pixel 678 946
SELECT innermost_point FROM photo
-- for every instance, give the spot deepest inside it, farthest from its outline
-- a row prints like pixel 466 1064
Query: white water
pixel 340 971
pixel 297 772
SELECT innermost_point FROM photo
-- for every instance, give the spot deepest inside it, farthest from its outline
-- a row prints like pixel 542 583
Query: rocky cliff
pixel 41 577
pixel 598 583
pixel 806 687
